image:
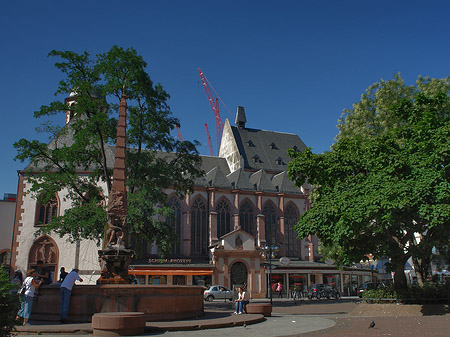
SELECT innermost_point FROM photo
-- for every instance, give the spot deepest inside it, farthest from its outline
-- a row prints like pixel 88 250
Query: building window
pixel 199 229
pixel 46 212
pixel 271 229
pixel 290 235
pixel 246 218
pixel 157 279
pixel 179 280
pixel 223 218
pixel 175 222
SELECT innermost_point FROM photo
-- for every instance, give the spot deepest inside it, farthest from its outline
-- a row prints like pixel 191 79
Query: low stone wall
pixel 159 303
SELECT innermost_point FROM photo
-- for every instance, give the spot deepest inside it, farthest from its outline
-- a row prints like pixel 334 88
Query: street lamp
pixel 268 252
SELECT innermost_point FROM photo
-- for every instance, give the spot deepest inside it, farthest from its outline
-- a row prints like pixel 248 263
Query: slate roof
pixel 244 180
pixel 265 149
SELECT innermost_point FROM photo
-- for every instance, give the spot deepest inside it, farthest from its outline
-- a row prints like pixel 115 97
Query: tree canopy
pixel 384 187
pixel 76 159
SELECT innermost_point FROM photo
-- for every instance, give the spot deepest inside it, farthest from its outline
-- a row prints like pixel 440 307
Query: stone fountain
pixel 114 293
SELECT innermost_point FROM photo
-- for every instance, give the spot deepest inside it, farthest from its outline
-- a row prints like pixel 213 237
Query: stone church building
pixel 244 202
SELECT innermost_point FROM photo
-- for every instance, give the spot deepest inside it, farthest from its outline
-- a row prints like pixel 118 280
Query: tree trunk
pixel 400 283
pixel 421 269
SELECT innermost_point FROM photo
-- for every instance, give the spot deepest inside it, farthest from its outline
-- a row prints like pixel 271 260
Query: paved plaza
pixel 289 318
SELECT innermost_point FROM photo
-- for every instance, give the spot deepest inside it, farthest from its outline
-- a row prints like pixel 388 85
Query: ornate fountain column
pixel 115 257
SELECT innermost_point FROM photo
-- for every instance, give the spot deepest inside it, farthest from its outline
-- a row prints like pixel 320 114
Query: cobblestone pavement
pixel 332 318
pixel 425 326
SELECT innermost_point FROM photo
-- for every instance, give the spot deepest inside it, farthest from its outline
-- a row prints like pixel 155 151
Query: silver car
pixel 217 292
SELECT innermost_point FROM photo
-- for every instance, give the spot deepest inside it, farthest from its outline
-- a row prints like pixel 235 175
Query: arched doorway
pixel 45 249
pixel 238 273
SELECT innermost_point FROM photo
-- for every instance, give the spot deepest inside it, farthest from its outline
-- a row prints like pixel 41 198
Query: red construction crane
pixel 214 107
pixel 180 137
pixel 211 152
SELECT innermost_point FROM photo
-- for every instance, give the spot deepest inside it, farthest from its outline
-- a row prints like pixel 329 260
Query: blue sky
pixel 293 65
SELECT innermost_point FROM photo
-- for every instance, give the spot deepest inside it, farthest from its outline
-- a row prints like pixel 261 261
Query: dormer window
pixel 250 143
pixel 295 148
pixel 279 161
pixel 273 146
pixel 255 158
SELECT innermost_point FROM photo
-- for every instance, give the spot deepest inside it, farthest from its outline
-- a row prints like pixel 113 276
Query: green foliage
pixel 375 295
pixel 333 253
pixel 78 158
pixel 386 177
pixel 9 304
pixel 413 294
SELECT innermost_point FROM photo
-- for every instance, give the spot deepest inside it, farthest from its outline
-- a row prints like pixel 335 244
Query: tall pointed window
pixel 246 218
pixel 175 222
pixel 271 224
pixel 44 213
pixel 199 229
pixel 223 218
pixel 290 235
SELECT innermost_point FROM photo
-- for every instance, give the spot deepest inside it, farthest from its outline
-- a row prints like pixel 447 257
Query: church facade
pixel 244 204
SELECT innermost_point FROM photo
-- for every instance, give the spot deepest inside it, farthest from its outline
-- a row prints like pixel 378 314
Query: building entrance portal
pixel 238 275
pixel 46 250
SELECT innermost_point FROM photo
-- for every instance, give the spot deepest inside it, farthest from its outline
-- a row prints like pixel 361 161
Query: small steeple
pixel 240 117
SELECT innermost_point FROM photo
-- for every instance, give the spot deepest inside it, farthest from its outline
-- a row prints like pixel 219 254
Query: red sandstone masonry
pixel 18 219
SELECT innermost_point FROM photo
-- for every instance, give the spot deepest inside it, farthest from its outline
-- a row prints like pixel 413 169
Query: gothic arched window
pixel 246 218
pixel 175 221
pixel 46 212
pixel 223 218
pixel 290 235
pixel 271 224
pixel 199 229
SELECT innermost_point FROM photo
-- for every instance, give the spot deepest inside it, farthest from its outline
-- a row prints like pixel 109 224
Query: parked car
pixel 217 292
pixel 319 291
pixel 366 286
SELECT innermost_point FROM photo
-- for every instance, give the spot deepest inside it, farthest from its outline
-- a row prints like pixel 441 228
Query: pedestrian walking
pixel 26 301
pixel 65 291
pixel 280 289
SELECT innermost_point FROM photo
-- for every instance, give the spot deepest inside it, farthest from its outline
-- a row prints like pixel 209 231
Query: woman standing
pixel 26 301
pixel 280 289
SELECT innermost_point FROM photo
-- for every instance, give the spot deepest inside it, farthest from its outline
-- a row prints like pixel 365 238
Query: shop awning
pixel 170 272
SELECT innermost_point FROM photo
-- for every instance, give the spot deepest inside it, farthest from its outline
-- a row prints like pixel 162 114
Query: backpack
pixel 22 289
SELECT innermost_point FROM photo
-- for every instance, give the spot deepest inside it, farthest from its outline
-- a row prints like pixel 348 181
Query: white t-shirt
pixel 70 279
pixel 245 296
pixel 29 286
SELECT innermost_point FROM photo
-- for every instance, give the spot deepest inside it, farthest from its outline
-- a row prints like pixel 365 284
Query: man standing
pixel 43 273
pixel 65 290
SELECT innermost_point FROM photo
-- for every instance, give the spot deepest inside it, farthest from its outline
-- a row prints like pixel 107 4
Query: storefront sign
pixel 180 261
pixel 285 261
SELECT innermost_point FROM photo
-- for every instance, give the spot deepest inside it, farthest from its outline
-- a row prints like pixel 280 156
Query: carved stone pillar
pixel 235 209
pixel 213 227
pixel 261 226
pixel 187 227
pixel 281 222
pixel 225 273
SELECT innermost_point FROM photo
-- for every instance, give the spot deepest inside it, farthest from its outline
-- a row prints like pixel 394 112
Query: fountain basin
pixel 157 302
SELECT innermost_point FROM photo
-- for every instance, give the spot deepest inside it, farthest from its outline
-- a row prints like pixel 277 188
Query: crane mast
pixel 180 137
pixel 215 109
pixel 211 151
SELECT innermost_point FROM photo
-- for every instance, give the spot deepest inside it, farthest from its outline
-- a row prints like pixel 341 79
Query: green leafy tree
pixel 155 160
pixel 9 305
pixel 384 187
